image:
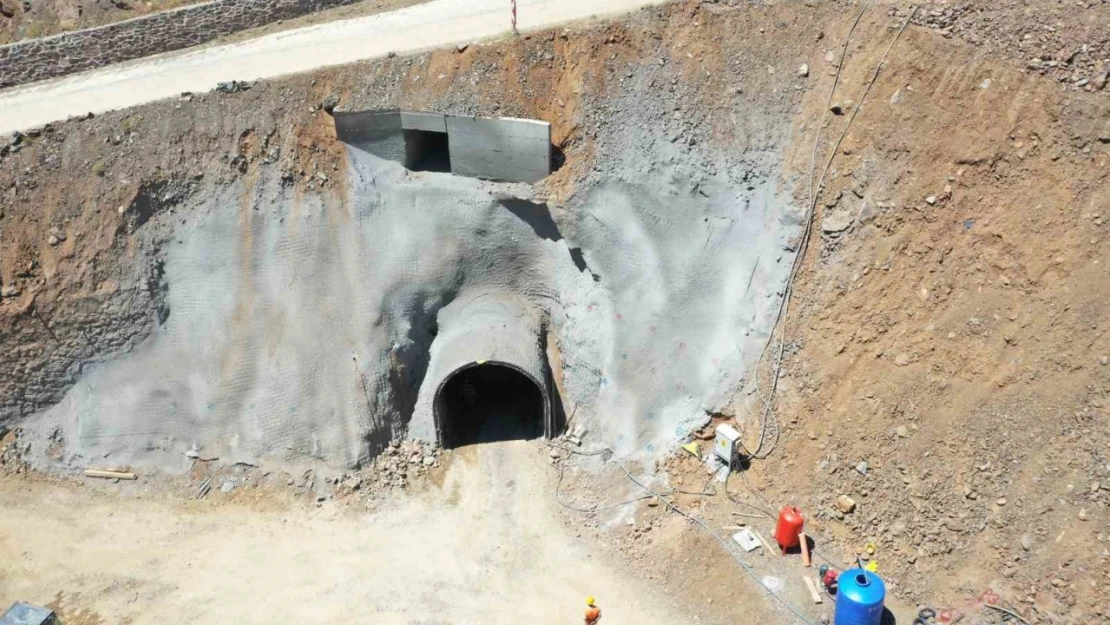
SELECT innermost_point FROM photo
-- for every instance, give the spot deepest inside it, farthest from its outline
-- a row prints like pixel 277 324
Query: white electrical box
pixel 727 444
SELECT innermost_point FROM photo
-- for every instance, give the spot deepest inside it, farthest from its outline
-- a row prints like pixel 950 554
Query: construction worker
pixel 593 613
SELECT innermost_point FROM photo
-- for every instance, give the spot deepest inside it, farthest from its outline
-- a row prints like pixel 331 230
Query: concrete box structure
pixel 505 149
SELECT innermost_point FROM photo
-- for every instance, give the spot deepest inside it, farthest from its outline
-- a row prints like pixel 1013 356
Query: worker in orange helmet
pixel 593 613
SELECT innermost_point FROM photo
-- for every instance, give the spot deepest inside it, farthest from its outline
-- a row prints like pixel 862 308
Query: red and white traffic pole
pixel 514 18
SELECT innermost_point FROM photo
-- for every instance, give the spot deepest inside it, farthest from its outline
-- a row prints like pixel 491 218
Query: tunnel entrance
pixel 488 402
pixel 427 151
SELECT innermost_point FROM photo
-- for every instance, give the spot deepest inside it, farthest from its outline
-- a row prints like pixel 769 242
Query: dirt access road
pixel 419 27
pixel 484 547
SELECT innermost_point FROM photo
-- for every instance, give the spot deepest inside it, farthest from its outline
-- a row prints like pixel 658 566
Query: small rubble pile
pixel 397 467
pixel 12 452
pixel 1072 48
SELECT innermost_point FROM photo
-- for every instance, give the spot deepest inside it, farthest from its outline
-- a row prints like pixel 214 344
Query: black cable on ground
pixel 744 565
pixel 662 497
pixel 734 500
pixel 780 317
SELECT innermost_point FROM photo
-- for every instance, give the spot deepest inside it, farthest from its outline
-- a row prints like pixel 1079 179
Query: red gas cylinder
pixel 789 526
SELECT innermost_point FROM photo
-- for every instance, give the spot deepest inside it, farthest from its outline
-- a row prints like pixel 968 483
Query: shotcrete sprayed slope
pixel 299 326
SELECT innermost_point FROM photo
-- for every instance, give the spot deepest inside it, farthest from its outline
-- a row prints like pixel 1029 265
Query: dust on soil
pixel 143 552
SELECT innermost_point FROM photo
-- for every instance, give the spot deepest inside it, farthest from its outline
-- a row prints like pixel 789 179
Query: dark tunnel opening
pixel 427 151
pixel 486 403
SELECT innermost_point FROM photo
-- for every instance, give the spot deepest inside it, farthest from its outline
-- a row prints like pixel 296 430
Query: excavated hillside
pixel 944 360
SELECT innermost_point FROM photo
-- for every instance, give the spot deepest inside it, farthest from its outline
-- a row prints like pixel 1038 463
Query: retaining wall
pixel 503 148
pixel 67 53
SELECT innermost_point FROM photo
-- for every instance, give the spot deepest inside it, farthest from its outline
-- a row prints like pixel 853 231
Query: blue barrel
pixel 859 598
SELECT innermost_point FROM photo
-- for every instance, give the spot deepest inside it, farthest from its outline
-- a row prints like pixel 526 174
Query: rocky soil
pixel 946 353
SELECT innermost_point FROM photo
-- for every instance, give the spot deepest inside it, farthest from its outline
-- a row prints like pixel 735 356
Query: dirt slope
pixel 949 330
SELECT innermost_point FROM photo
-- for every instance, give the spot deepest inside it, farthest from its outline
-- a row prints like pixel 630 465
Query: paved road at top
pixel 419 27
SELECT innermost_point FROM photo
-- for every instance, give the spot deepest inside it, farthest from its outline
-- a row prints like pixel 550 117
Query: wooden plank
pixel 812 586
pixel 110 475
pixel 766 544
pixel 805 549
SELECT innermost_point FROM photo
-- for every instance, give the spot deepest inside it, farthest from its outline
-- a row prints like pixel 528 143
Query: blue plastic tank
pixel 859 598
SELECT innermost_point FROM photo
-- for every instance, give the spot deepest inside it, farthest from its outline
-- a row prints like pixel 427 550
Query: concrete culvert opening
pixel 427 151
pixel 488 402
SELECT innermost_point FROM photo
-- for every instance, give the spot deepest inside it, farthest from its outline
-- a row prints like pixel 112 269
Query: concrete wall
pixel 377 132
pixel 506 149
pixel 67 53
pixel 517 150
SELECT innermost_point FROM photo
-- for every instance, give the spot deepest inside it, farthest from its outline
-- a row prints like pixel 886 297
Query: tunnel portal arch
pixel 488 376
pixel 489 401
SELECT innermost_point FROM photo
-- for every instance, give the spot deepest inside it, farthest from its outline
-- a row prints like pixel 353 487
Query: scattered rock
pixel 1027 542
pixel 803 71
pixel 897 97
pixel 1082 514
pixel 931 200
pixel 845 504
pixel 1099 81
pixel 836 109
pixel 902 431
pixel 836 222
pixel 902 360
pixel 227 487
pixel 861 468
pixel 53 240
pixel 1104 360
pixel 1000 502
pixel 235 86
pixel 830 57
pixel 9 291
pixel 330 103
pixel 462 47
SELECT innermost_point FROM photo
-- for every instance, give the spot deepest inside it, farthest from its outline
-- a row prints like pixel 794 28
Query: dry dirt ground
pixel 479 543
pixel 948 324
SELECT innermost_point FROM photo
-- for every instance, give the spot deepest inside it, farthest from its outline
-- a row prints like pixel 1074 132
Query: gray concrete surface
pixel 307 329
pixel 377 132
pixel 487 325
pixel 517 150
pixel 504 149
